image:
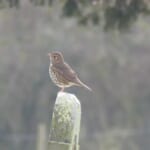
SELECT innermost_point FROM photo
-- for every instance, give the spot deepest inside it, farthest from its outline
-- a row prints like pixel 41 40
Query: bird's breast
pixel 58 79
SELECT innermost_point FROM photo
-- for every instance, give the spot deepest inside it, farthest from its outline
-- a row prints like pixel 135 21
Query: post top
pixel 68 96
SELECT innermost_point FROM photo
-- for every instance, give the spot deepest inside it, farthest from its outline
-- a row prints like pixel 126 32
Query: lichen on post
pixel 65 124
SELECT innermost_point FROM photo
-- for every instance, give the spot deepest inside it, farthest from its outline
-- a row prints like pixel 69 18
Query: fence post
pixel 41 137
pixel 65 124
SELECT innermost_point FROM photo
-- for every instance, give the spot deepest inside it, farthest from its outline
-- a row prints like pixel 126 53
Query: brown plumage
pixel 62 74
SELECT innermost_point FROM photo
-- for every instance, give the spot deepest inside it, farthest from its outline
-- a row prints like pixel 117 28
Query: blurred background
pixel 106 42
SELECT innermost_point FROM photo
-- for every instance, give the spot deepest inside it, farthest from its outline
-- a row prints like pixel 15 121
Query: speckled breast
pixel 58 79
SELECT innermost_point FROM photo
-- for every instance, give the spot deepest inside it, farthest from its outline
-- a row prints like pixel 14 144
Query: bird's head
pixel 56 57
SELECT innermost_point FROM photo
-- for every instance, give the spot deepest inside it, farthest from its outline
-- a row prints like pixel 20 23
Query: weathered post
pixel 65 125
pixel 41 137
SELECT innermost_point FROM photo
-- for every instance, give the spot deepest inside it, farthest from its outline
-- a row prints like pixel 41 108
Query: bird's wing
pixel 71 75
pixel 67 72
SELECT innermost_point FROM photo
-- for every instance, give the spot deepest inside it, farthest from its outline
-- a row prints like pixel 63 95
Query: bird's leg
pixel 62 89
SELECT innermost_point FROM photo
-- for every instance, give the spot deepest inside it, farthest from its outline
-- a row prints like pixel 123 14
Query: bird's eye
pixel 55 57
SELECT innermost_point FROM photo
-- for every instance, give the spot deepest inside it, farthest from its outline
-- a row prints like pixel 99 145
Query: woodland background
pixel 106 42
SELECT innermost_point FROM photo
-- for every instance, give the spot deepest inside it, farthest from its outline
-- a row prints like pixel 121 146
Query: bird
pixel 61 74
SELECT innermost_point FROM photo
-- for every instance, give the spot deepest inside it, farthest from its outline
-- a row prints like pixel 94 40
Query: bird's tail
pixel 84 85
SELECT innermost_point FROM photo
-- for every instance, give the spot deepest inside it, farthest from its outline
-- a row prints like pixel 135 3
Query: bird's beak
pixel 49 54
